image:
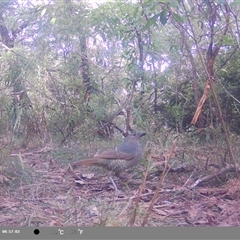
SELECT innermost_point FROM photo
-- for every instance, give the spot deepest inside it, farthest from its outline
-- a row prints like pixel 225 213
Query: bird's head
pixel 135 135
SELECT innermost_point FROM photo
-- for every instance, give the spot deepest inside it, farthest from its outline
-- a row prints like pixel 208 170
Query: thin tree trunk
pixel 85 68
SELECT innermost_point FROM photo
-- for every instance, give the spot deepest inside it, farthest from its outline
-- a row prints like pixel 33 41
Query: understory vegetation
pixel 78 76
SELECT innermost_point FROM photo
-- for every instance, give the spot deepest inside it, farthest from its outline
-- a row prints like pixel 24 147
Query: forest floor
pixel 39 188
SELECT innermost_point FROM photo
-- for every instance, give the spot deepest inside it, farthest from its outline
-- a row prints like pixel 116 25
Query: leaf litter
pixel 54 195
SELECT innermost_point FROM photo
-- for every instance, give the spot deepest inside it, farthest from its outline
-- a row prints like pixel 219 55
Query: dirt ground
pixel 37 189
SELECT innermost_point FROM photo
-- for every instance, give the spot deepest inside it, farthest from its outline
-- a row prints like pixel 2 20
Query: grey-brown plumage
pixel 122 157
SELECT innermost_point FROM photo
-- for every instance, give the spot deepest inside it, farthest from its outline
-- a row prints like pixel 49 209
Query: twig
pixel 160 183
pixel 142 186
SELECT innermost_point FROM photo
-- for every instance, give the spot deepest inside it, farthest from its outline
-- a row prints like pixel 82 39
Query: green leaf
pixel 221 1
pixel 178 17
pixel 235 2
pixel 227 40
pixel 135 12
pixel 163 17
pixel 53 20
pixel 151 21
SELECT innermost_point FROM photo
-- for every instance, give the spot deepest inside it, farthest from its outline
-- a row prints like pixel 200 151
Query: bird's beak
pixel 142 134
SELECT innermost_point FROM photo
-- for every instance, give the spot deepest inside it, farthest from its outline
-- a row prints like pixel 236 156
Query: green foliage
pixel 230 92
pixel 139 54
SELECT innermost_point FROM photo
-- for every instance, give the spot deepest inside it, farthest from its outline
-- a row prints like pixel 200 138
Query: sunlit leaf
pixel 53 20
pixel 43 12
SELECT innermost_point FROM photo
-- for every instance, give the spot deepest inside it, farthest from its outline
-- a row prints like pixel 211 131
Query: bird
pixel 125 156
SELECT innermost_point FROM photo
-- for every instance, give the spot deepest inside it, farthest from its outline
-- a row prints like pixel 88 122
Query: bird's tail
pixel 85 162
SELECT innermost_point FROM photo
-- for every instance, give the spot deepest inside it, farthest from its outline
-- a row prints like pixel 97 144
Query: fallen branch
pixel 228 168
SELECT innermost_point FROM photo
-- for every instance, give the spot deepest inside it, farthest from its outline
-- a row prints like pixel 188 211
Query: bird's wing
pixel 114 155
